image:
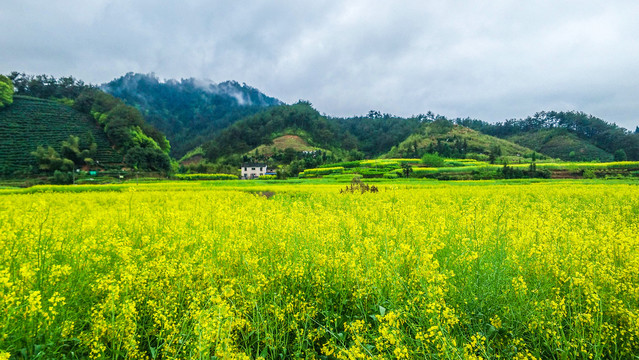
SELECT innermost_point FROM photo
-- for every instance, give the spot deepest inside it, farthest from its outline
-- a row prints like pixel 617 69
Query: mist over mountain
pixel 189 111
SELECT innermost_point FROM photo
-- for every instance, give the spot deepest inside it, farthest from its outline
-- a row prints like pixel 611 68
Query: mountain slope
pixel 263 128
pixel 568 135
pixel 31 122
pixel 189 112
pixel 451 140
pixel 561 144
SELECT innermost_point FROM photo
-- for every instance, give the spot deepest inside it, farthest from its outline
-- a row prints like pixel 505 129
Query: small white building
pixel 253 170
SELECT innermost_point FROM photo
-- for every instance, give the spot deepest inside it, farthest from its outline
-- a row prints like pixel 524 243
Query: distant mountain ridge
pixel 189 111
pixel 227 123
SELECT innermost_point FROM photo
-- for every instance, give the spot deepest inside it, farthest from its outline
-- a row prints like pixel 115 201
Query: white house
pixel 253 170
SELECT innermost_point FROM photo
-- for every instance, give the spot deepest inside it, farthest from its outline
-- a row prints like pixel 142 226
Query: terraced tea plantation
pixel 215 270
pixel 30 122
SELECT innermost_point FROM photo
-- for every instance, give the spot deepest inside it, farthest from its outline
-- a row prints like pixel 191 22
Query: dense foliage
pixel 75 153
pixel 461 271
pixel 6 91
pixel 143 146
pixel 188 111
pixel 375 133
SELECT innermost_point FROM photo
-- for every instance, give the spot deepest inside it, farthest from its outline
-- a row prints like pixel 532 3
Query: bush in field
pixel 589 174
pixel 206 177
pixel 433 160
pixel 322 171
pixel 62 177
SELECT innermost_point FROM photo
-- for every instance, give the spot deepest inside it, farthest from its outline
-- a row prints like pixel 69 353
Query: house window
pixel 245 169
pixel 253 169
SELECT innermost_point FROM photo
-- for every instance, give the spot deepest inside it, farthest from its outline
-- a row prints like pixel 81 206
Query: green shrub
pixel 433 160
pixel 62 177
pixel 589 174
pixel 478 157
pixel 345 164
pixel 321 171
pixel 205 177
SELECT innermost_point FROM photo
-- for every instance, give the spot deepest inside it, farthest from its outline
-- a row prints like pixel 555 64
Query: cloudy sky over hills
pixel 488 60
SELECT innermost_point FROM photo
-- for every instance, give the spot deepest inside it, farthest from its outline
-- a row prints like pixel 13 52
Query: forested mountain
pixel 189 112
pixel 261 129
pixel 351 138
pixel 572 136
pixel 377 133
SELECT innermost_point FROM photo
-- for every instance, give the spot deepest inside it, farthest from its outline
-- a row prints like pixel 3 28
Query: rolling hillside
pixel 452 140
pixel 299 124
pixel 561 144
pixel 30 122
pixel 570 136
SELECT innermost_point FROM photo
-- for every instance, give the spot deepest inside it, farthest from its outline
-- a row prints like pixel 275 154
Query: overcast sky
pixel 490 60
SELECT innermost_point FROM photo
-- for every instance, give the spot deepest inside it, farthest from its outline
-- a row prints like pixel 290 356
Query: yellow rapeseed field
pixel 452 271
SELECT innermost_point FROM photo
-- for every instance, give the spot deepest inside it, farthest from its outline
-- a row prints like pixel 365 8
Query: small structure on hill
pixel 253 170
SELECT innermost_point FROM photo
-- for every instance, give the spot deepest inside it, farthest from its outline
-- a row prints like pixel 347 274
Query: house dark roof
pixel 253 165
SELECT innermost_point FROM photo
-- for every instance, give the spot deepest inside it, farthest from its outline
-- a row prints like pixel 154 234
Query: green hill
pixel 455 141
pixel 30 122
pixel 298 123
pixel 561 144
pixel 570 136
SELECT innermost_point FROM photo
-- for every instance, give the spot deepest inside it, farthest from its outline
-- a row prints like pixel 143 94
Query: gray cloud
pixel 489 60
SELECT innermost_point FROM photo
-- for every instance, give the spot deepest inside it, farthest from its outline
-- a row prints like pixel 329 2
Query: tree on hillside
pixel 6 91
pixel 47 87
pixel 80 152
pixel 495 152
pixel 620 155
pixel 407 169
pixel 50 160
pixel 433 160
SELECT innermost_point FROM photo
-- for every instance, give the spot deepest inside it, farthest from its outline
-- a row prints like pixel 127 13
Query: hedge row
pixel 206 177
